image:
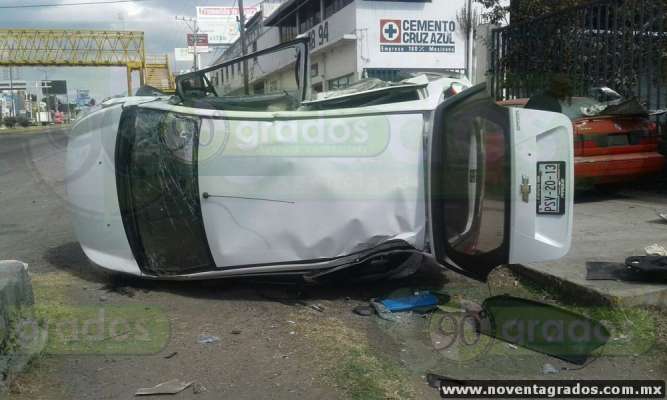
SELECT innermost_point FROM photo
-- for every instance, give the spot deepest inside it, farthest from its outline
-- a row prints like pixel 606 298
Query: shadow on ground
pixel 70 258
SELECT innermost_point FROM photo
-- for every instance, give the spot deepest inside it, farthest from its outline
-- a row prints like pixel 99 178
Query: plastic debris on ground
pixel 205 339
pixel 663 216
pixel 198 388
pixel 317 307
pixel 435 381
pixel 648 264
pixel 170 387
pixel 364 311
pixel 416 301
pixel 655 250
pixel 383 312
pixel 609 271
pixel 649 269
pixel 548 369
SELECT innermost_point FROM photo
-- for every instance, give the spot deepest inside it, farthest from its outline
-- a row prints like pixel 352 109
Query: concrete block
pixel 15 296
pixel 15 286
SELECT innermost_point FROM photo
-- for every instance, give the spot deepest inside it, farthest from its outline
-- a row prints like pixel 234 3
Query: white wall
pixel 338 61
pixel 334 28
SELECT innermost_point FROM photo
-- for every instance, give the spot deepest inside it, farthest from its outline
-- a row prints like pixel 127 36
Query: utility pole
pixel 244 47
pixel 11 87
pixel 194 28
pixel 11 91
pixel 469 41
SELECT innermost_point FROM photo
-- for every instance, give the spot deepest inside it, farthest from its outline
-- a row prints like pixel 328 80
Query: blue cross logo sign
pixel 390 31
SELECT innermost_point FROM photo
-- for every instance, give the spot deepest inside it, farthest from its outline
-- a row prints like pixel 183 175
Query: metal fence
pixel 621 44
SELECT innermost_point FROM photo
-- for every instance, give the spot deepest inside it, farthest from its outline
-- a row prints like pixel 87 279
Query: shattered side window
pixel 165 193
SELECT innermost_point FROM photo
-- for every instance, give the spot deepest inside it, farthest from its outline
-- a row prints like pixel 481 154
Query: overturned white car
pixel 240 174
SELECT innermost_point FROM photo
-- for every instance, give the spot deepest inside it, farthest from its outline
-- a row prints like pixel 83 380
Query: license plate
pixel 551 187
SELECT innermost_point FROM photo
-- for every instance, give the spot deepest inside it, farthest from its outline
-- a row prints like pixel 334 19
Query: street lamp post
pixel 244 48
pixel 11 92
pixel 194 28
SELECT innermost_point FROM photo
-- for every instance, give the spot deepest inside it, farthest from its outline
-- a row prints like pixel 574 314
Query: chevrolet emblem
pixel 525 189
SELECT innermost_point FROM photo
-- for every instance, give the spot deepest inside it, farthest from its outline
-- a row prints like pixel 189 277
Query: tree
pixel 23 121
pixel 9 122
pixel 521 10
pixel 495 12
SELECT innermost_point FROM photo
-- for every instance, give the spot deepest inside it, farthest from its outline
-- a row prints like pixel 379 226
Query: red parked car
pixel 610 146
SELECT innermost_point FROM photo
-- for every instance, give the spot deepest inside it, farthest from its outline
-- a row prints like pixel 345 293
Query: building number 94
pixel 319 36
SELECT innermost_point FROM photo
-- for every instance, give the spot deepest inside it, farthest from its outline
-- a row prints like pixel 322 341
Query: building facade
pixel 353 39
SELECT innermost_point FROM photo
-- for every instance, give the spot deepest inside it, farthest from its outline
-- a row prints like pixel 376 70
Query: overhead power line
pixel 88 3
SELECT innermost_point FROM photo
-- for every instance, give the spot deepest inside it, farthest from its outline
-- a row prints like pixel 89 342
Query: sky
pixel 156 18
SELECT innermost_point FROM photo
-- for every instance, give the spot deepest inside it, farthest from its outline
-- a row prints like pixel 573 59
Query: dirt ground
pixel 276 339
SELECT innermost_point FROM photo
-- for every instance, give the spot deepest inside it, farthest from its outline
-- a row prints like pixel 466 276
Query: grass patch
pixel 52 289
pixel 364 376
pixel 350 363
pixel 69 328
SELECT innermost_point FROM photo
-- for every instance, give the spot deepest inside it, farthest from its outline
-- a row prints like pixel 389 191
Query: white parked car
pixel 239 174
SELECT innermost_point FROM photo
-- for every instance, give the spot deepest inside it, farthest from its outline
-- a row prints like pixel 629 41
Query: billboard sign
pixel 182 54
pixel 54 87
pixel 199 39
pixel 427 29
pixel 222 23
pixel 418 36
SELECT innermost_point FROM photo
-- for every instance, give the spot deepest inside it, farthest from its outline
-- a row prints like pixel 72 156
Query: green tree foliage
pixel 9 122
pixel 520 10
pixel 23 121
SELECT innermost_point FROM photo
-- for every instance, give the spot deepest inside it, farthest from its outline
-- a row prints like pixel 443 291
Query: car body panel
pixel 91 191
pixel 539 136
pixel 312 188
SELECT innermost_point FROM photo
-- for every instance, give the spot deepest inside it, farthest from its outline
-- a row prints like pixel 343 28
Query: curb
pixel 566 288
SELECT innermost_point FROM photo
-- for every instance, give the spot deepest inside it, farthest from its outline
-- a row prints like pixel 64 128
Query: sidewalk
pixel 608 228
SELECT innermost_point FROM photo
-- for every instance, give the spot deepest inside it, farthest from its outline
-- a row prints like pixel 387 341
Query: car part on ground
pixel 613 271
pixel 419 300
pixel 648 269
pixel 173 386
pixel 655 250
pixel 543 328
pixel 648 264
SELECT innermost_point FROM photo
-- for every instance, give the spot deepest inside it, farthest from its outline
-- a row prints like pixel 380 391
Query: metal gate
pixel 617 43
